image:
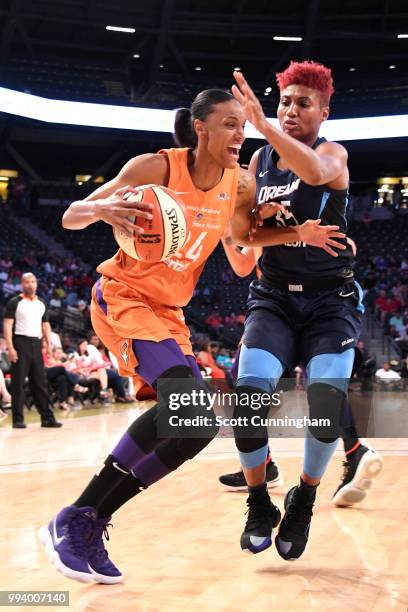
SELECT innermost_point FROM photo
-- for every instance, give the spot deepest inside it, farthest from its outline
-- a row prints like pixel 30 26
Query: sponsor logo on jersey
pixel 348 341
pixel 223 196
pixel 270 192
pixel 261 174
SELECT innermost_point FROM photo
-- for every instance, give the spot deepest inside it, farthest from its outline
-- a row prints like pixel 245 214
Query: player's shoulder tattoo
pixel 244 181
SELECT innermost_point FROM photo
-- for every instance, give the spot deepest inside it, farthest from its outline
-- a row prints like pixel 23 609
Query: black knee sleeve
pixel 184 406
pixel 249 433
pixel 174 452
pixel 144 430
pixel 325 403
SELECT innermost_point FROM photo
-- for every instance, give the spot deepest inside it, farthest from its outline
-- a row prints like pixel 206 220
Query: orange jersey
pixel 172 282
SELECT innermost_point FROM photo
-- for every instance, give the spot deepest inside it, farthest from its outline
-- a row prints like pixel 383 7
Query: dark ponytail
pixel 202 106
pixel 184 134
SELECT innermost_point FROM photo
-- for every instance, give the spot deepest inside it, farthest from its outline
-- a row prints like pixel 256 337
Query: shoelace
pixel 258 511
pixel 80 534
pixel 97 540
pixel 301 512
pixel 346 471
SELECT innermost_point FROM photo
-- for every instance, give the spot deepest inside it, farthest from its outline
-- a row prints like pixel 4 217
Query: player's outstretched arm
pixel 322 166
pixel 245 231
pixel 107 203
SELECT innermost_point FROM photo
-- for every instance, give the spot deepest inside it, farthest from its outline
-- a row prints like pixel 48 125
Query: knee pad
pixel 251 409
pixel 325 403
pixel 173 453
pixel 185 408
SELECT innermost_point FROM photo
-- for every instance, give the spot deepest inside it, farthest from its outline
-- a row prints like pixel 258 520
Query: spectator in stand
pixel 5 396
pixel 56 301
pixel 5 363
pixel 97 350
pixel 386 304
pixel 58 375
pixel 399 291
pixel 11 285
pixel 205 358
pixel 366 367
pixel 224 359
pixel 397 322
pixel 88 368
pixel 214 320
pixel 388 378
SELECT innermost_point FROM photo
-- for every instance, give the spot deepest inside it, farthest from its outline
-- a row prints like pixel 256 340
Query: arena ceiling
pixel 175 37
pixel 181 46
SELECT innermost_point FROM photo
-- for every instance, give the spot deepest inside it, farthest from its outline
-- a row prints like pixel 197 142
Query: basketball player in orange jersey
pixel 136 311
pixel 360 467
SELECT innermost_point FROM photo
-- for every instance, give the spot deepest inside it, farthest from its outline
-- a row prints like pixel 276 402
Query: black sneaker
pixel 263 516
pixel 19 425
pixel 294 528
pixel 360 468
pixel 237 482
pixel 51 424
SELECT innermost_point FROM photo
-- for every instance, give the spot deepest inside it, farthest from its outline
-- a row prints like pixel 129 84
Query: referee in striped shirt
pixel 25 324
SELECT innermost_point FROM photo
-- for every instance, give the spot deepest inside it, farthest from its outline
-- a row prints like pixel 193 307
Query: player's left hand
pixel 261 212
pixel 252 107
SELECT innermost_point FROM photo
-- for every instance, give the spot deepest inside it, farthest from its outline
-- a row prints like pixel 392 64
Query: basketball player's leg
pixel 82 557
pixel 328 376
pixel 327 347
pixel 268 346
pixel 236 481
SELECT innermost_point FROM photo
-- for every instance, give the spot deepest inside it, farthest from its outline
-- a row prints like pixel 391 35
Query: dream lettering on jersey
pixel 269 193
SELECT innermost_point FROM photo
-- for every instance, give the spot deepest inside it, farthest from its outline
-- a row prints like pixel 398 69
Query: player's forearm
pixel 79 215
pixel 302 160
pixel 268 236
pixel 241 264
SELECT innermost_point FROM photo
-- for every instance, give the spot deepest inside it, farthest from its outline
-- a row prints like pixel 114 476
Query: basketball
pixel 164 234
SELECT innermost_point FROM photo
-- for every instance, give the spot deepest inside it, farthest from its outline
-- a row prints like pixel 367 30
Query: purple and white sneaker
pixel 102 568
pixel 67 539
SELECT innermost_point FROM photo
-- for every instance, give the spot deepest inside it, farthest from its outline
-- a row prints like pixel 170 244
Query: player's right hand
pixel 12 355
pixel 116 211
pixel 321 236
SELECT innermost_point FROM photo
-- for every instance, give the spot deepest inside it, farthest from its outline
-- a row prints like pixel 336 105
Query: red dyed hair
pixel 311 74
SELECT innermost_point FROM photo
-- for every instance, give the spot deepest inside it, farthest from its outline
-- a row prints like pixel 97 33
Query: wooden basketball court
pixel 177 543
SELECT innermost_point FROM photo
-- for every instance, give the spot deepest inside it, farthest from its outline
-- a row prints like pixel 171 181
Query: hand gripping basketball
pixel 158 235
pixel 116 210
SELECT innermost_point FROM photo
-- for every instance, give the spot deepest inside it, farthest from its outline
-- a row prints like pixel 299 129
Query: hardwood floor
pixel 178 542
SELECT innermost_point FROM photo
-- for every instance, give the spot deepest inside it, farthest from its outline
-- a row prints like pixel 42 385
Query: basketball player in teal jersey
pixel 306 307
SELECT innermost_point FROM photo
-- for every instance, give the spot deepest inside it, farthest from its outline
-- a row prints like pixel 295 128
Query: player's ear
pixel 200 127
pixel 325 112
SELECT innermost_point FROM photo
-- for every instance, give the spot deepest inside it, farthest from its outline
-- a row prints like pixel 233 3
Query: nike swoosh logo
pixel 341 294
pixel 261 174
pixel 115 465
pixel 55 538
